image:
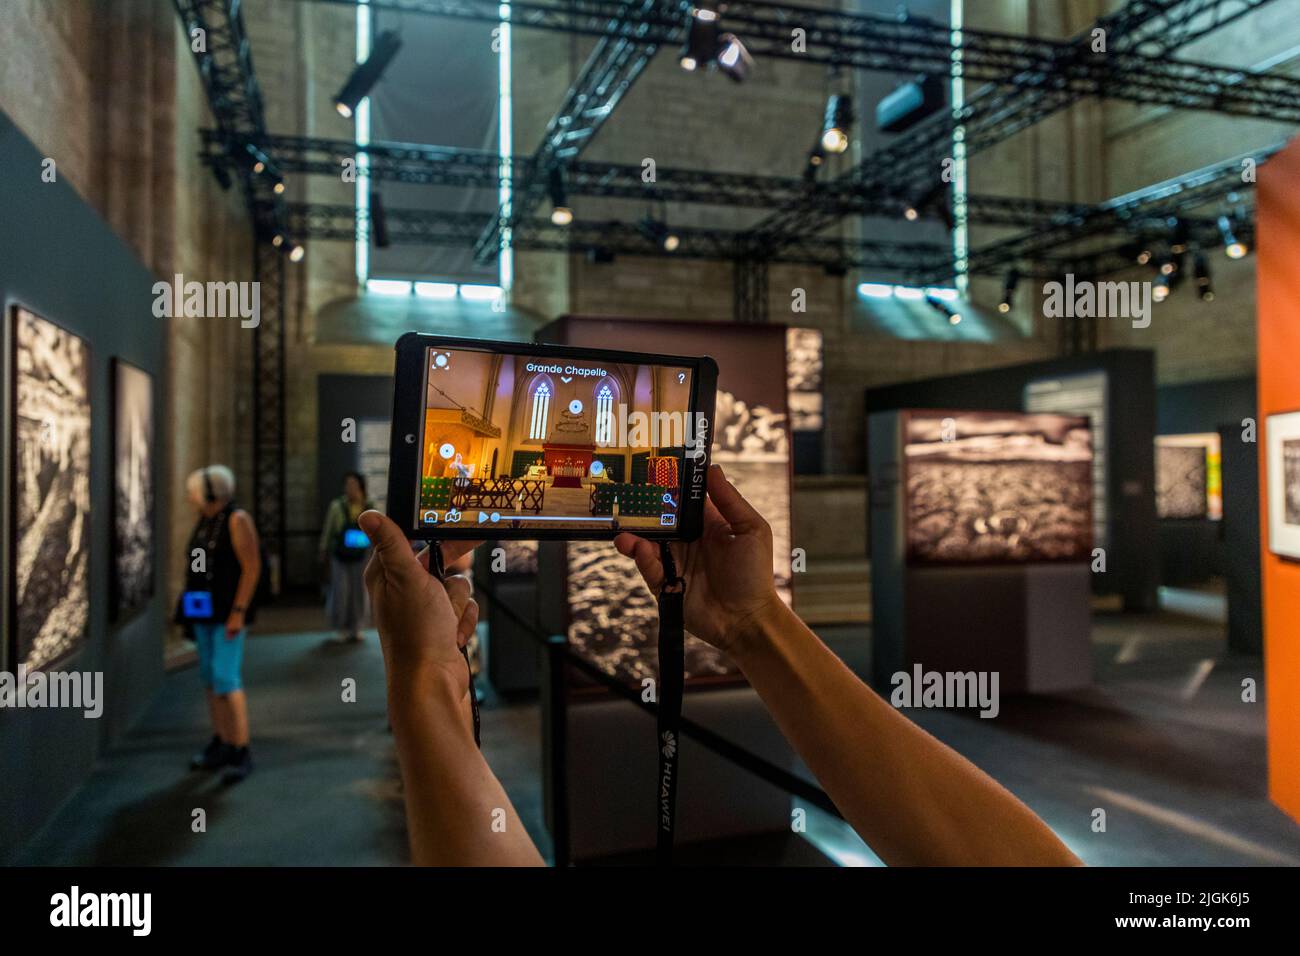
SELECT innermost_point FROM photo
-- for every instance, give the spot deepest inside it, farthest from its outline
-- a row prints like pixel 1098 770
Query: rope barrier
pixel 761 767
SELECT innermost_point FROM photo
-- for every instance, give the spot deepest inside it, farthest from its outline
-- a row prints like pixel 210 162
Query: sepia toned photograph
pixel 1180 481
pixel 133 489
pixel 51 473
pixel 997 487
pixel 1283 437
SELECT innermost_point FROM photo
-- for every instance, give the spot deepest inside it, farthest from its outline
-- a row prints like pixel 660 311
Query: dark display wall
pixel 1229 547
pixel 1131 552
pixel 60 260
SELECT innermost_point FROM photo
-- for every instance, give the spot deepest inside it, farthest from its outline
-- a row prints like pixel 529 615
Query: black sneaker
pixel 214 756
pixel 239 765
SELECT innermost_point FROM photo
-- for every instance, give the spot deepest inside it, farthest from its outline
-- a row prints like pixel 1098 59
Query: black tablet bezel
pixel 408 410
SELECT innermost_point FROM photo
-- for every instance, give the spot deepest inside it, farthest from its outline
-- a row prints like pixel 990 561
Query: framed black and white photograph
pixel 49 605
pixel 1283 435
pixel 133 489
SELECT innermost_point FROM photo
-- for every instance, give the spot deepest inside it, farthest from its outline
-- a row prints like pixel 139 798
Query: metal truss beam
pixel 1143 212
pixel 902 44
pixel 613 66
pixel 902 261
pixel 225 65
pixel 449 166
pixel 995 112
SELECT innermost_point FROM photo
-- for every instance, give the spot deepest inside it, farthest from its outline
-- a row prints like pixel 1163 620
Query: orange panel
pixel 1278 320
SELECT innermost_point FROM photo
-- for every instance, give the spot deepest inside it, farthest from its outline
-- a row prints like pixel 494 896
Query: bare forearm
pixel 914 800
pixel 457 812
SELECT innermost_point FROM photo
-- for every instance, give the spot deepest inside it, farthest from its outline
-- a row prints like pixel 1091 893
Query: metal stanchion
pixel 555 719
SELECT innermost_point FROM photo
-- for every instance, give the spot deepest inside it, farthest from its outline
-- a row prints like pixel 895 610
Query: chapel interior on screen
pixel 542 443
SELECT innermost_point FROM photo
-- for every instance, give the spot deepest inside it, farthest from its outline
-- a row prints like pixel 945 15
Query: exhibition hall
pixel 846 434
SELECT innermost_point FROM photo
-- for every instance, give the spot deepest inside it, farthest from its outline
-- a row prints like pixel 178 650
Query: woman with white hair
pixel 225 565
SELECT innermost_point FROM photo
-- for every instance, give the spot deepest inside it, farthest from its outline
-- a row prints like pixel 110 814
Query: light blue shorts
pixel 220 660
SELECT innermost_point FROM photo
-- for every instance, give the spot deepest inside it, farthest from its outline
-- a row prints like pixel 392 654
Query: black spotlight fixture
pixel 561 213
pixel 378 221
pixel 943 308
pixel 657 231
pixel 1142 252
pixel 1009 291
pixel 837 121
pixel 366 75
pixel 1179 235
pixel 733 59
pixel 927 200
pixel 599 255
pixel 296 252
pixel 816 159
pixel 702 41
pixel 1201 273
pixel 1233 247
pixel 1161 288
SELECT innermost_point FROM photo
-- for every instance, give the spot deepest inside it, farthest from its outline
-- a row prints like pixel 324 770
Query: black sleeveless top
pixel 221 578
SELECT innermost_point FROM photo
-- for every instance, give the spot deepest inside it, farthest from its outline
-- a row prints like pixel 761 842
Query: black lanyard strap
pixel 671 680
pixel 438 568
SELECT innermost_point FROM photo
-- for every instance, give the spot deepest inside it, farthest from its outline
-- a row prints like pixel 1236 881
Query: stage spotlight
pixel 702 42
pixel 733 59
pixel 378 220
pixel 278 188
pixel 657 231
pixel 367 74
pixel 296 252
pixel 1009 291
pixel 1160 289
pixel 1233 247
pixel 1204 284
pixel 1178 236
pixel 837 122
pixel 926 201
pixel 277 240
pixel 261 163
pixel 943 309
pixel 816 159
pixel 561 214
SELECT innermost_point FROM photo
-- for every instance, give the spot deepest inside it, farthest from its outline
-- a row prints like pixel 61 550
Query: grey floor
pixel 1163 744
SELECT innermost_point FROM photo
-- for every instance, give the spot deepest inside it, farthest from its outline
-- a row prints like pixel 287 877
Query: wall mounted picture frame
pixel 1283 439
pixel 133 492
pixel 49 547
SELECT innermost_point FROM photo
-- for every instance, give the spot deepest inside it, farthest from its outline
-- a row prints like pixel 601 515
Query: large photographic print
pixel 1180 481
pixel 997 487
pixel 49 596
pixel 613 621
pixel 133 490
pixel 1283 437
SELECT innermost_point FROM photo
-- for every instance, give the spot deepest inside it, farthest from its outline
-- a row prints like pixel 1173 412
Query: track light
pixel 837 122
pixel 277 240
pixel 1160 289
pixel 1009 291
pixel 1233 247
pixel 561 214
pixel 657 231
pixel 816 159
pixel 1142 253
pixel 702 42
pixel 296 252
pixel 1204 284
pixel 367 74
pixel 1178 236
pixel 943 309
pixel 733 59
pixel 925 201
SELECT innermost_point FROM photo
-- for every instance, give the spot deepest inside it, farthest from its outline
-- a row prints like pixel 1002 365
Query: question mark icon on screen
pixel 681 378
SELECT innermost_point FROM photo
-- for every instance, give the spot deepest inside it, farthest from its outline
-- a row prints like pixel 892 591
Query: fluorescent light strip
pixel 505 141
pixel 436 290
pixel 362 138
pixel 480 293
pixel 388 286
